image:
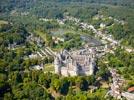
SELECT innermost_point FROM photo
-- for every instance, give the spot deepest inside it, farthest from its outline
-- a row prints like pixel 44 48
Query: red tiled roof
pixel 131 89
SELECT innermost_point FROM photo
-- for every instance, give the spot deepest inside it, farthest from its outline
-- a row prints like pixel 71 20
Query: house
pixel 57 39
pixel 102 25
pixel 38 67
pixel 33 56
pixel 131 89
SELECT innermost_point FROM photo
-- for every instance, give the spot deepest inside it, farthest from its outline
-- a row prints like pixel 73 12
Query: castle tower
pixel 91 65
pixel 75 69
pixel 57 65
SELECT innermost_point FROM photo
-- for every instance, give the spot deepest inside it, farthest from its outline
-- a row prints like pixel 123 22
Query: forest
pixel 119 9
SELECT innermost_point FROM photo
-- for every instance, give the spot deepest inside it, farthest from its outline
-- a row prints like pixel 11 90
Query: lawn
pixel 61 31
pixel 49 68
pixel 99 93
pixel 41 34
pixel 3 22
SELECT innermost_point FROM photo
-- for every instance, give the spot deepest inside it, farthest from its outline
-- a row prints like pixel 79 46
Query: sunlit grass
pixel 49 68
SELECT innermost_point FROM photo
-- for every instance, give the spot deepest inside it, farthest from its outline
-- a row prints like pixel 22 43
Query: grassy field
pixel 3 22
pixel 41 34
pixel 61 31
pixel 99 93
pixel 49 68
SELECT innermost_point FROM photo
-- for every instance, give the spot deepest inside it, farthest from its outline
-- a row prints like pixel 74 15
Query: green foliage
pixel 121 60
pixel 72 41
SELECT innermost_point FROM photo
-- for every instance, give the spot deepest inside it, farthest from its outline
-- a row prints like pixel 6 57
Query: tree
pixel 90 79
pixel 8 96
pixel 81 83
pixel 65 86
pixel 56 85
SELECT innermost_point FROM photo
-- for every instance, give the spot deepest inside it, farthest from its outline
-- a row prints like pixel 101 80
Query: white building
pixel 37 67
pixel 74 63
pixel 33 56
pixel 102 25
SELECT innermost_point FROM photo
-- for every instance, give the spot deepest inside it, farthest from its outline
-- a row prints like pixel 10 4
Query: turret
pixel 75 69
pixel 92 66
pixel 57 65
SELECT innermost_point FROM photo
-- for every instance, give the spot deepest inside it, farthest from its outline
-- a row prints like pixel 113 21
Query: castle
pixel 80 62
